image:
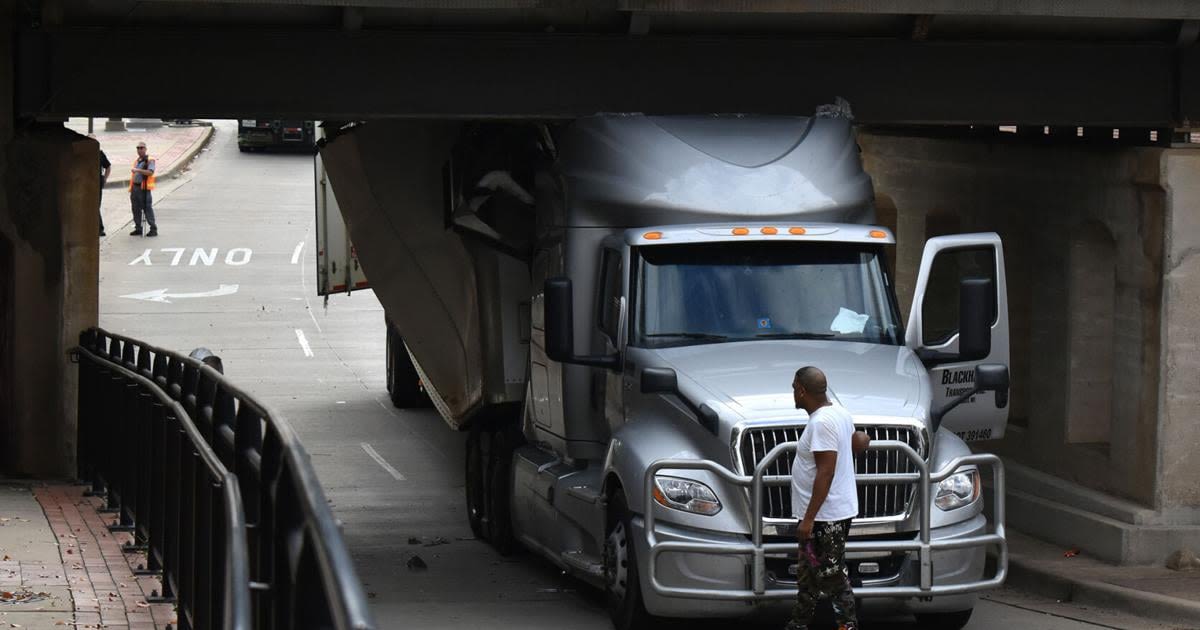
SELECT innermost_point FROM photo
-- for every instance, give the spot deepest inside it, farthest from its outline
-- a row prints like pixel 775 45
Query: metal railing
pixel 922 544
pixel 216 487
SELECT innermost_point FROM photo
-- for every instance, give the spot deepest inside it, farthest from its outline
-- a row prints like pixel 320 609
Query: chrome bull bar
pixel 922 545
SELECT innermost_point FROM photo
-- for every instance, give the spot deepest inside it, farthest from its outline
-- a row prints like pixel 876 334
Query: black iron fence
pixel 216 488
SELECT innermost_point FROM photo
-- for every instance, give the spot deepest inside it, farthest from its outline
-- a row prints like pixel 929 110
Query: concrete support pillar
pixel 7 264
pixel 1082 232
pixel 1179 432
pixel 1102 252
pixel 51 223
pixel 49 263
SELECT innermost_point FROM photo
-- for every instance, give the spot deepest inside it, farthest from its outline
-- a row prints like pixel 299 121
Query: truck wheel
pixel 498 483
pixel 623 588
pixel 475 467
pixel 944 621
pixel 402 381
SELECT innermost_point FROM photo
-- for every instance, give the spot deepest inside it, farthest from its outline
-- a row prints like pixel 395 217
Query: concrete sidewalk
pixel 1152 592
pixel 114 204
pixel 172 147
pixel 61 567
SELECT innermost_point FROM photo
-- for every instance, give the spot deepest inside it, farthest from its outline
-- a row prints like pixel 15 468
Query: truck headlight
pixel 957 490
pixel 686 495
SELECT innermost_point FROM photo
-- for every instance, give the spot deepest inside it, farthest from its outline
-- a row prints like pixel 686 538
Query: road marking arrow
pixel 161 295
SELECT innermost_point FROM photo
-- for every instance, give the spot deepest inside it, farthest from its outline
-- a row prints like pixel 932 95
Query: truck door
pixel 933 328
pixel 338 269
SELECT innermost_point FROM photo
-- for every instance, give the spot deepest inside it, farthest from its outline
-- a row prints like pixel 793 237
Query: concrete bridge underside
pixel 898 62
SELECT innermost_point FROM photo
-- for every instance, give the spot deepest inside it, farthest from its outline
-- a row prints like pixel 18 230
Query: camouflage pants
pixel 821 572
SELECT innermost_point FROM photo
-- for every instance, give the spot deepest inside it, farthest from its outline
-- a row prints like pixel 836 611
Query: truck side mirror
pixel 559 316
pixel 975 297
pixel 560 320
pixel 993 377
pixel 975 319
pixel 989 377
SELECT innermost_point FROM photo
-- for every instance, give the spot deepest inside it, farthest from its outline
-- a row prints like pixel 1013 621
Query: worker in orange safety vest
pixel 141 183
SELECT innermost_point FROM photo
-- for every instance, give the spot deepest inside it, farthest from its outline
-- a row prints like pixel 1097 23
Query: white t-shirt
pixel 829 428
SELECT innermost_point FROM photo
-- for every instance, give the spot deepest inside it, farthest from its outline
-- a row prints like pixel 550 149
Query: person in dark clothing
pixel 105 170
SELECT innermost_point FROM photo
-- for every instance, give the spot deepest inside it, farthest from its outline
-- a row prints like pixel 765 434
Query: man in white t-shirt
pixel 825 500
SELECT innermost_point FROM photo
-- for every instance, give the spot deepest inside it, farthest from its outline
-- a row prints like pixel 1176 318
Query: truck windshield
pixel 719 292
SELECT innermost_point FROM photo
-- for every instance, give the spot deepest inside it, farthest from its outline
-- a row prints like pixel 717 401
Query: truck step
pixel 589 566
pixel 585 492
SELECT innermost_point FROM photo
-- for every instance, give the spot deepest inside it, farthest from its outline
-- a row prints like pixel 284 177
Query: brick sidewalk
pixel 77 573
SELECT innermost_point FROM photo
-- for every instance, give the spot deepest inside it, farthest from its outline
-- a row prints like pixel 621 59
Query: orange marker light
pixel 741 231
pixel 652 236
pixel 798 231
pixel 769 230
pixel 878 234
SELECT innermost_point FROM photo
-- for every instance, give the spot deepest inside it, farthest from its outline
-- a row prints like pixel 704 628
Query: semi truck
pixel 261 135
pixel 612 309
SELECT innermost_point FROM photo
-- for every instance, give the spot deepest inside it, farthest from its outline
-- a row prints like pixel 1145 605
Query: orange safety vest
pixel 147 180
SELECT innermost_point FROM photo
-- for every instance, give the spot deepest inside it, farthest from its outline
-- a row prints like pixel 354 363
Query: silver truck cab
pixel 674 274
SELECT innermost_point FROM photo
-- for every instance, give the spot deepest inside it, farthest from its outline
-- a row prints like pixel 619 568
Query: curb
pixel 1102 594
pixel 183 161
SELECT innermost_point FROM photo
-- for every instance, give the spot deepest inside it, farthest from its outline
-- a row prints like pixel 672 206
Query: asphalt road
pixel 233 271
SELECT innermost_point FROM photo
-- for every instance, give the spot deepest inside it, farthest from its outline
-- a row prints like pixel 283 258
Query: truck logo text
pixel 958 377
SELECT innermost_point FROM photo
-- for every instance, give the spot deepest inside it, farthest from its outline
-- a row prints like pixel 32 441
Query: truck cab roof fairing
pixel 634 170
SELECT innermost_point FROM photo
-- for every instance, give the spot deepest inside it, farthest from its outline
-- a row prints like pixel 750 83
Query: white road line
pixel 304 285
pixel 303 343
pixel 296 252
pixel 382 462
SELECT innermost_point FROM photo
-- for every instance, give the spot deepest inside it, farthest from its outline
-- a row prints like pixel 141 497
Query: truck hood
pixel 754 378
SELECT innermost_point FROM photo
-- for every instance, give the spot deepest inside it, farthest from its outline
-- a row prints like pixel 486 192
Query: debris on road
pixel 415 563
pixel 1183 560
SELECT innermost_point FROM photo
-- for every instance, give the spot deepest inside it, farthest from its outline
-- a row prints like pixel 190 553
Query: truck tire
pixel 499 490
pixel 488 483
pixel 944 621
pixel 475 467
pixel 623 586
pixel 403 383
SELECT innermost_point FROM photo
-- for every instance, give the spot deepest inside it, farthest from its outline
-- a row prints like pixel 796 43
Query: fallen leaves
pixel 22 596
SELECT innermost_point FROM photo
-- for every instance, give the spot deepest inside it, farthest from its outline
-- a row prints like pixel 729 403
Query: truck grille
pixel 874 500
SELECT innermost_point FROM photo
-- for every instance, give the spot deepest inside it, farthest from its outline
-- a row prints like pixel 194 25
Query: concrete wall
pixel 49 261
pixel 7 271
pixel 1179 431
pixel 1083 233
pixel 51 193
